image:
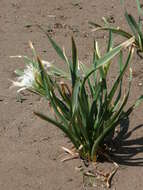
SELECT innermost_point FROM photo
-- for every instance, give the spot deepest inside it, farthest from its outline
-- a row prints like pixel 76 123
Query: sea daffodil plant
pixel 87 108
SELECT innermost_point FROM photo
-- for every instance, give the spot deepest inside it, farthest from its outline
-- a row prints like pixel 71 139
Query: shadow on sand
pixel 128 151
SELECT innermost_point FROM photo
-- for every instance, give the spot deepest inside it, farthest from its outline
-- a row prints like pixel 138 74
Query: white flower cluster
pixel 27 79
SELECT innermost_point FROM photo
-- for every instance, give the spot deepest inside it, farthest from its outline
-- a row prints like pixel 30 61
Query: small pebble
pixel 140 83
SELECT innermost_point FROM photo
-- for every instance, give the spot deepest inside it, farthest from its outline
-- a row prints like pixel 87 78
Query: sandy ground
pixel 30 149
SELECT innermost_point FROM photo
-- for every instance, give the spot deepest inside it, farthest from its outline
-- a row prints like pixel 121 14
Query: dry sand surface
pixel 30 149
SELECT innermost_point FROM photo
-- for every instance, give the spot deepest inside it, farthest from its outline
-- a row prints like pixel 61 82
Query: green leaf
pixel 45 78
pixel 140 43
pixel 117 82
pixel 50 95
pixel 59 51
pixel 56 72
pixel 136 26
pixel 19 72
pixel 62 107
pixel 112 123
pixel 117 30
pixel 97 57
pixel 74 62
pixel 62 127
pixel 91 118
pixel 75 95
pixel 30 61
pixel 138 102
pixel 140 11
pixel 84 104
pixel 110 42
pixel 135 105
pixel 120 62
pixel 122 1
pixel 92 91
pixel 108 56
pixel 66 97
pixel 129 19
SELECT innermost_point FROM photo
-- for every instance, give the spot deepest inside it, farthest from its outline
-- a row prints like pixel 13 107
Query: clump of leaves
pixel 134 25
pixel 86 110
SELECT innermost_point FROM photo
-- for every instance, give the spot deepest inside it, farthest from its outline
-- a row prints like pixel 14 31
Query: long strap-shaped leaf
pixel 117 82
pixel 139 7
pixel 120 62
pixel 117 30
pixel 62 107
pixel 58 50
pixel 62 127
pixel 50 91
pixel 54 44
pixel 74 63
pixel 114 30
pixel 136 104
pixel 133 25
pixel 75 95
pixel 113 91
pixel 108 56
pixel 113 121
pixel 73 66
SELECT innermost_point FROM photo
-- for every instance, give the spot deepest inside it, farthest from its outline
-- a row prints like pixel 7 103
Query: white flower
pixel 27 79
pixel 47 64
